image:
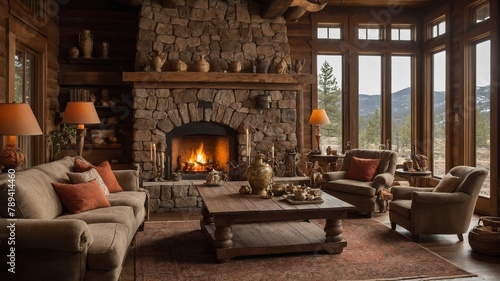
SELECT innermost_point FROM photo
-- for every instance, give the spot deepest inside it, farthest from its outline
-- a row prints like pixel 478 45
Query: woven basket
pixel 494 222
pixel 484 241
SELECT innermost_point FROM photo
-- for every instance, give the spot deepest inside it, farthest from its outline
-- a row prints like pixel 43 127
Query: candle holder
pixel 159 168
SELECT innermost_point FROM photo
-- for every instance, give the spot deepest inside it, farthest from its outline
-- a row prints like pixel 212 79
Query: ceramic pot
pixel 157 60
pixel 260 175
pixel 74 52
pixel 235 66
pixel 179 65
pixel 86 41
pixel 202 65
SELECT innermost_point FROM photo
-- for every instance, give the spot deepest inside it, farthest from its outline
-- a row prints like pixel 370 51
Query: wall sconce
pixel 16 119
pixel 318 117
pixel 80 113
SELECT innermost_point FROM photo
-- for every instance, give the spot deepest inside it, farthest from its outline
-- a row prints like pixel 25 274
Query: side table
pixel 330 160
pixel 412 176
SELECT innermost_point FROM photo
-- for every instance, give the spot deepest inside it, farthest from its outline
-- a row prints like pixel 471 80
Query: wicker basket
pixel 494 222
pixel 485 241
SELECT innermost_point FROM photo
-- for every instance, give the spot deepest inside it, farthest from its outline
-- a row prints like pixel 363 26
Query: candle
pixel 154 154
pixel 272 152
pixel 162 160
pixel 248 146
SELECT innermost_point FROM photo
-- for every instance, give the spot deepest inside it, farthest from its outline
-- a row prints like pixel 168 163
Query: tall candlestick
pixel 162 160
pixel 272 152
pixel 154 154
pixel 248 146
pixel 151 151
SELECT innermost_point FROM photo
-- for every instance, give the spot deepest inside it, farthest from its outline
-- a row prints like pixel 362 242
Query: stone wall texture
pixel 222 31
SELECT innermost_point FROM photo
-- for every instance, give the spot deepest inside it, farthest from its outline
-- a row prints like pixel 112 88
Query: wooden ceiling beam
pixel 275 8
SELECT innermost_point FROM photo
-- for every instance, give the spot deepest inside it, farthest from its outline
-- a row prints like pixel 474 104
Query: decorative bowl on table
pixel 278 189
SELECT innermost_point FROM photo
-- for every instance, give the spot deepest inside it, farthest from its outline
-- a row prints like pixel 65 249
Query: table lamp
pixel 80 113
pixel 317 118
pixel 16 119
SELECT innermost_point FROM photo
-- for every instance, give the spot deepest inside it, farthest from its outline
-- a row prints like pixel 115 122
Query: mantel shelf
pixel 217 80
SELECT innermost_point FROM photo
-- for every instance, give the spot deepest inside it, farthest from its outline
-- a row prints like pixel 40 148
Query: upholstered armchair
pixel 445 209
pixel 359 184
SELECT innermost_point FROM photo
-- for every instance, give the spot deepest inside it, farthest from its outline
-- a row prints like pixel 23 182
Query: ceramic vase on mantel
pixel 86 42
pixel 202 65
pixel 260 175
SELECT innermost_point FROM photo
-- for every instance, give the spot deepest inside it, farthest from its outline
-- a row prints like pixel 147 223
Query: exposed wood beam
pixel 275 8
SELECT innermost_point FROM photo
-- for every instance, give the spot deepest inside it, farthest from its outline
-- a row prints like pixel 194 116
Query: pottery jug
pixel 179 65
pixel 202 65
pixel 157 60
pixel 86 42
pixel 260 175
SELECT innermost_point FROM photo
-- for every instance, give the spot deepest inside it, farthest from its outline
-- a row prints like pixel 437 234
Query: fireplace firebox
pixel 196 148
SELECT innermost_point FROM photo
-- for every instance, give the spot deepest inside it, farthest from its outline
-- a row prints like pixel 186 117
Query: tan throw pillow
pixel 447 183
pixel 87 176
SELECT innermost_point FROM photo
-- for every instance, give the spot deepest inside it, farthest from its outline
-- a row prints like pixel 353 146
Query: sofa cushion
pixel 362 169
pixel 57 170
pixel 81 197
pixel 447 184
pixel 133 199
pixel 35 197
pixel 114 214
pixel 110 246
pixel 350 186
pixel 104 170
pixel 87 176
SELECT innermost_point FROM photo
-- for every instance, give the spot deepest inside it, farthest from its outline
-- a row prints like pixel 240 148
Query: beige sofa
pixel 53 244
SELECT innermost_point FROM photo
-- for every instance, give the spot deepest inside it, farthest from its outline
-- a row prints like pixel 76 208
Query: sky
pixel 370 70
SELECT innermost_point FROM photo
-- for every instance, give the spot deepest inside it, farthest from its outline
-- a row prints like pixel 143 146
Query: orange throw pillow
pixel 362 169
pixel 81 197
pixel 104 170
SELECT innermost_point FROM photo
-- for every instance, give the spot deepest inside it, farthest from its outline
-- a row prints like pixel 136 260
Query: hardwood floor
pixel 447 246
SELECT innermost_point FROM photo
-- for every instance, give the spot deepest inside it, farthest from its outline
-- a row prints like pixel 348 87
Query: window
pixel 402 34
pixel 369 94
pixel 439 28
pixel 330 32
pixel 330 98
pixel 369 32
pixel 482 82
pixel 24 91
pixel 439 113
pixel 482 13
pixel 401 78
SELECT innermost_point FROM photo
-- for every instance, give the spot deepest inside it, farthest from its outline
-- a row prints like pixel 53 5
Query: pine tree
pixel 329 98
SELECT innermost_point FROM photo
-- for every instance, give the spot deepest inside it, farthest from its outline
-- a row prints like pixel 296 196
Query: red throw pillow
pixel 362 169
pixel 81 197
pixel 104 170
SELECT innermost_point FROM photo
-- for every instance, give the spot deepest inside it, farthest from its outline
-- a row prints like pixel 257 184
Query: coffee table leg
pixel 207 218
pixel 223 240
pixel 333 230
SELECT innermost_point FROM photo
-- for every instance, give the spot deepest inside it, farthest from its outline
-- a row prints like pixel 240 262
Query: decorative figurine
pixel 157 60
pixel 86 41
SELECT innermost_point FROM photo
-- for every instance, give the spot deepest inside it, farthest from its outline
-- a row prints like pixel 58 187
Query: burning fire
pixel 198 157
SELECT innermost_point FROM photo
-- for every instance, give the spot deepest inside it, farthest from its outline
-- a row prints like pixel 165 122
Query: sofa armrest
pixel 331 176
pixel 69 235
pixel 383 180
pixel 129 180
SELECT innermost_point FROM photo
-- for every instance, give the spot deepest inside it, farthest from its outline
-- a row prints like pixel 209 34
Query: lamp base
pixel 11 157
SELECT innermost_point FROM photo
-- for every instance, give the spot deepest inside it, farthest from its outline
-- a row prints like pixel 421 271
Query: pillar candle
pixel 272 152
pixel 154 154
pixel 163 160
pixel 151 151
pixel 248 146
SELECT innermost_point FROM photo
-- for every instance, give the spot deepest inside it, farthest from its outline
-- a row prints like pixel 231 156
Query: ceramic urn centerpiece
pixel 260 175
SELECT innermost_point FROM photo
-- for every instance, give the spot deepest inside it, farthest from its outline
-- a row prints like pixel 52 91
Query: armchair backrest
pixel 388 159
pixel 471 179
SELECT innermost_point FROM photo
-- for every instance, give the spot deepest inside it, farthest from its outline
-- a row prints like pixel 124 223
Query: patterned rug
pixel 177 250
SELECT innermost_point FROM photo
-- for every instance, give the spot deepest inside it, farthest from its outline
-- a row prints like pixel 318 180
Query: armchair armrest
pixel 69 235
pixel 405 192
pixel 331 176
pixel 383 180
pixel 439 198
pixel 129 180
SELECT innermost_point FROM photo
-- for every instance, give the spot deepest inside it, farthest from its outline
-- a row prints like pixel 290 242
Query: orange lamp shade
pixel 318 117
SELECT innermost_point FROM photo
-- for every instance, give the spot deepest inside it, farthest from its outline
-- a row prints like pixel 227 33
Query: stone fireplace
pixel 217 107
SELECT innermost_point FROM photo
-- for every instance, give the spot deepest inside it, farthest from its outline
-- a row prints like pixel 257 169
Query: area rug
pixel 178 250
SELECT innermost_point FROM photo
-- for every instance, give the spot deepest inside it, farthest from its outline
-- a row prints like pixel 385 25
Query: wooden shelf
pixel 217 80
pixel 90 78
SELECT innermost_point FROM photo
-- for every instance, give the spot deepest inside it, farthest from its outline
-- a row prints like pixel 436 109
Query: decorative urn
pixel 260 175
pixel 86 41
pixel 202 65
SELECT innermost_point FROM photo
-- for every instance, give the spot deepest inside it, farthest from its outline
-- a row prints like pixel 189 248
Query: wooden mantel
pixel 217 80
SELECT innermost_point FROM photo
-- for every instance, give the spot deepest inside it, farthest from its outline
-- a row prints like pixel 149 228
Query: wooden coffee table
pixel 244 225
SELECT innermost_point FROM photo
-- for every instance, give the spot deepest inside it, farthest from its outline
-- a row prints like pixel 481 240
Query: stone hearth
pixel 224 31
